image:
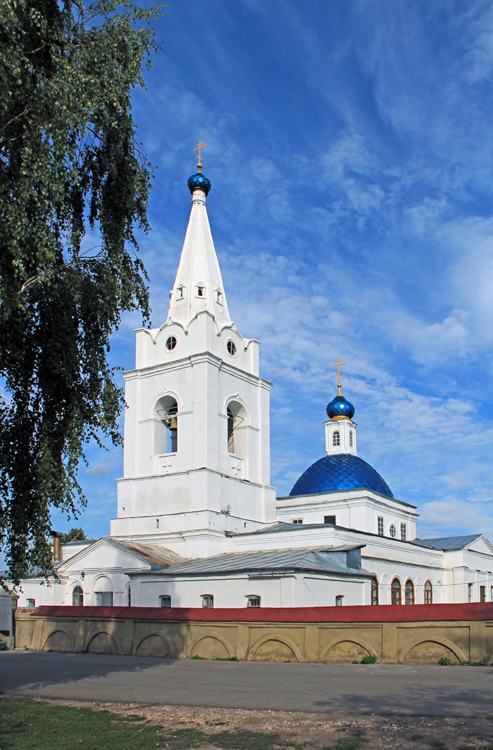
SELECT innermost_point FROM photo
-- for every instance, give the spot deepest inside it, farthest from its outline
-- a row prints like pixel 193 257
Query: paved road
pixel 381 689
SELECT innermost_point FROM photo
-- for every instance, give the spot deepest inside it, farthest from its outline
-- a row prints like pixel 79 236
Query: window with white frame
pixel 297 520
pixel 31 603
pixel 470 592
pixel 253 601
pixel 374 591
pixel 339 600
pixel 77 597
pixel 350 438
pixel 200 290
pixel 207 601
pixel 428 593
pixel 165 600
pixel 380 525
pixel 403 532
pixel 336 438
pixel 392 531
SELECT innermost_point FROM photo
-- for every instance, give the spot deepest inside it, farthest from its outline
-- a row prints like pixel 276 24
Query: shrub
pixel 368 660
pixel 445 661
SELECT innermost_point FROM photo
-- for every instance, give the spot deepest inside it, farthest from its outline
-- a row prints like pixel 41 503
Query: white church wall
pixel 232 591
pixel 355 509
pixel 41 592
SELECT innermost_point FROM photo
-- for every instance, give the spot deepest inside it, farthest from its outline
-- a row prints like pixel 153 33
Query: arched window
pixel 336 438
pixel 77 597
pixel 409 592
pixel 231 431
pixel 237 434
pixel 166 426
pixel 339 600
pixel 428 593
pixel 374 591
pixel 395 591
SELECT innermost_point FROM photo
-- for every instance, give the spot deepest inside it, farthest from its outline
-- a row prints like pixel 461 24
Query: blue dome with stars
pixel 199 182
pixel 340 407
pixel 340 472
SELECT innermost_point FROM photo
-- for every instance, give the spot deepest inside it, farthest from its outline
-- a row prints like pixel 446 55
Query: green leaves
pixel 69 160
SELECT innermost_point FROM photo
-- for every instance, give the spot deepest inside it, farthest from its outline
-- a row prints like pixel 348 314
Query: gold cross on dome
pixel 339 363
pixel 199 149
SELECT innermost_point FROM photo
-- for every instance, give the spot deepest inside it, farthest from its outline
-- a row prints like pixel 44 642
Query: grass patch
pixel 225 658
pixel 26 724
pixel 353 742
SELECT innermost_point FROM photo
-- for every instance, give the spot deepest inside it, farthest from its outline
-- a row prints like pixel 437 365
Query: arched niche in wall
pixel 237 433
pixel 166 425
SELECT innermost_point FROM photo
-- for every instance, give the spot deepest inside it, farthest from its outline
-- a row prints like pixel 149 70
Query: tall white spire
pixel 198 285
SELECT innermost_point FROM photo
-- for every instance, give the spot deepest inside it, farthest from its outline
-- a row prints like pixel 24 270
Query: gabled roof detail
pixel 150 554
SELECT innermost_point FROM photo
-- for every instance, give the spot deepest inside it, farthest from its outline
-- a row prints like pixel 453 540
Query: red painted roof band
pixel 378 613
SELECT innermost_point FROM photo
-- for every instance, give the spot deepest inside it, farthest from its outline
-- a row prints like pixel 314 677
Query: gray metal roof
pixel 449 542
pixel 321 560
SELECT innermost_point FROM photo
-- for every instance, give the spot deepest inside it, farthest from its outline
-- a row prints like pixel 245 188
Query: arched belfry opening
pixel 166 426
pixel 237 437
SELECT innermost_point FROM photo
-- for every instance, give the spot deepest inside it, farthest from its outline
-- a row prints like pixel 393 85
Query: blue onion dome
pixel 199 182
pixel 340 407
pixel 340 472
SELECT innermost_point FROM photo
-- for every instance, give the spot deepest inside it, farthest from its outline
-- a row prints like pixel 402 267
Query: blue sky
pixel 350 150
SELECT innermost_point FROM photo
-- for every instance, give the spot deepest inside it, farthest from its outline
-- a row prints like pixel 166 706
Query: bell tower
pixel 340 430
pixel 197 434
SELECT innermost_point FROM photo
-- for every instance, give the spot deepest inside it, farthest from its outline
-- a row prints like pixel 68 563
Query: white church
pixel 198 523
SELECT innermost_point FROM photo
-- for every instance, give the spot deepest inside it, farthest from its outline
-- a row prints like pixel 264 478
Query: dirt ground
pixel 314 730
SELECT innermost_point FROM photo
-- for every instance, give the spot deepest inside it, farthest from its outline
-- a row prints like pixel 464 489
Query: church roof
pixel 449 542
pixel 340 472
pixel 149 553
pixel 334 560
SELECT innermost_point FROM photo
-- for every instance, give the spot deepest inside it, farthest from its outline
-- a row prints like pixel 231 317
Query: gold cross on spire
pixel 199 149
pixel 339 363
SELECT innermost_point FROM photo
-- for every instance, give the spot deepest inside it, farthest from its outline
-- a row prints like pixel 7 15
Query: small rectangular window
pixel 297 520
pixel 350 438
pixel 165 601
pixel 491 593
pixel 339 600
pixel 330 519
pixel 470 589
pixel 207 601
pixel 157 523
pixel 380 525
pixel 31 603
pixel 482 594
pixel 253 601
pixel 403 532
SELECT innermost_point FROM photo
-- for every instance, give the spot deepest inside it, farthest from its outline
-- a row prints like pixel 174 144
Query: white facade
pixel 196 486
